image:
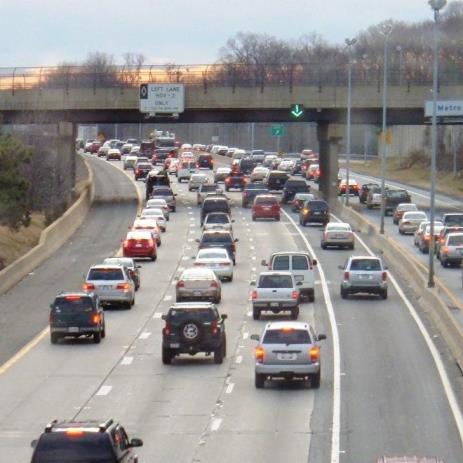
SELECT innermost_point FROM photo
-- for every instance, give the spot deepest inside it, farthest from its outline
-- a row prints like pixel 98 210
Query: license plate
pixel 338 237
pixel 365 277
pixel 73 329
pixel 138 245
pixel 106 287
pixel 274 304
pixel 174 345
pixel 266 208
pixel 286 356
pixel 299 277
pixel 197 293
pixel 317 213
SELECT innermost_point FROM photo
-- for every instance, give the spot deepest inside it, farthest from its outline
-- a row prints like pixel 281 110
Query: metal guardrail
pixel 224 75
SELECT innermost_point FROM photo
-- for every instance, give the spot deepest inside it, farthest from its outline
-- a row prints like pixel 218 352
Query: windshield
pixel 96 274
pixel 275 281
pixel 216 238
pixel 286 336
pixel 365 265
pixel 455 240
pixel 72 304
pixel 217 218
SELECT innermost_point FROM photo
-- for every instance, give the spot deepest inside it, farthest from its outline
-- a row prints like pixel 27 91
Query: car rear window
pixel 397 194
pixel 217 218
pixel 162 193
pixel 317 205
pixel 195 311
pixel 286 336
pixel 300 263
pixel 219 238
pixel 365 264
pixel 206 188
pixel 269 201
pixel 295 184
pixel 105 274
pixel 216 204
pixel 455 240
pixel 456 219
pixel 275 281
pixel 255 186
pixel 59 447
pixel 278 175
pixel 72 304
pixel 280 263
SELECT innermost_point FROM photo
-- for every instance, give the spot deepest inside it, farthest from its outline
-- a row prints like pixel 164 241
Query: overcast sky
pixel 47 32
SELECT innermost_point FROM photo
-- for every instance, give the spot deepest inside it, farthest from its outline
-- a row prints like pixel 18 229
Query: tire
pixel 315 380
pixel 294 314
pixel 132 303
pixel 217 300
pixel 311 296
pixel 218 355
pixel 224 346
pixel 351 247
pixel 191 331
pixel 153 258
pixel 103 331
pixel 54 338
pixel 259 381
pixel 443 263
pixel 401 232
pixel 344 293
pixel 277 218
pixel 127 305
pixel 97 337
pixel 253 218
pixel 255 313
pixel 230 279
pixel 166 356
pixel 159 244
pixel 174 209
pixel 323 246
pixel 384 294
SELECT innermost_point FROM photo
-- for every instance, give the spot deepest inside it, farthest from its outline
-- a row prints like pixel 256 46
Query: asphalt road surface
pixel 381 392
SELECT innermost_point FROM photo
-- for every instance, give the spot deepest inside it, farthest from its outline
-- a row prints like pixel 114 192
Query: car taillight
pixel 260 354
pixel 228 180
pixel 167 329
pixel 314 354
pixel 254 295
pixel 445 250
pixel 295 295
pixel 406 223
pixel 305 210
pixel 214 284
pixel 126 243
pixel 51 318
pixel 384 276
pixel 214 327
pixel 346 275
pixel 200 264
pixel 96 319
pixel 180 284
pixel 88 286
pixel 123 286
pixel 137 171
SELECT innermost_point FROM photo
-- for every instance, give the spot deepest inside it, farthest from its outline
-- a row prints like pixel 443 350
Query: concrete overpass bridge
pixel 70 96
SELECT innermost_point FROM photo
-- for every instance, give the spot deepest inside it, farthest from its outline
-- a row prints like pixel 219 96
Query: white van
pixel 185 169
pixel 300 264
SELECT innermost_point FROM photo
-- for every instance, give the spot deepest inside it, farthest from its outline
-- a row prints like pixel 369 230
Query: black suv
pixel 86 441
pixel 314 211
pixel 214 204
pixel 394 197
pixel 219 239
pixel 75 315
pixel 276 179
pixel 142 169
pixel 205 160
pixel 251 190
pixel 247 165
pixel 293 186
pixel 191 328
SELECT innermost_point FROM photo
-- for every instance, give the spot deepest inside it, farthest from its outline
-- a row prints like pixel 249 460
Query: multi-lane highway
pixel 383 390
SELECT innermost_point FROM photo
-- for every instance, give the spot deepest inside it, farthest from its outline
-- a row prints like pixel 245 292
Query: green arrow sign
pixel 277 130
pixel 297 110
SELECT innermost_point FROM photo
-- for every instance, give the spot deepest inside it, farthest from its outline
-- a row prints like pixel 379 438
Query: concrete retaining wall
pixel 430 299
pixel 51 239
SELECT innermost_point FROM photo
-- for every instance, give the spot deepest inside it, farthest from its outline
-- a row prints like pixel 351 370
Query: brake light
pixel 137 171
pixel 126 243
pixel 96 319
pixel 124 286
pixel 314 354
pixel 72 298
pixel 214 327
pixel 214 284
pixel 180 284
pixel 167 329
pixel 346 275
pixel 305 210
pixel 254 295
pixel 295 295
pixel 384 276
pixel 445 250
pixel 88 286
pixel 228 180
pixel 260 354
pixel 75 432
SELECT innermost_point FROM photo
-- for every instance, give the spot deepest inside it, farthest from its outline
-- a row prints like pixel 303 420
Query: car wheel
pixel 159 244
pixel 311 296
pixel 218 355
pixel 132 302
pixel 166 356
pixel 224 346
pixel 315 380
pixel 54 338
pixel 352 246
pixel 259 381
pixel 443 263
pixel 384 294
pixel 255 313
pixel 103 331
pixel 323 246
pixel 174 209
pixel 401 231
pixel 217 300
pixel 153 258
pixel 230 278
pixel 97 337
pixel 344 293
pixel 277 218
pixel 253 218
pixel 294 314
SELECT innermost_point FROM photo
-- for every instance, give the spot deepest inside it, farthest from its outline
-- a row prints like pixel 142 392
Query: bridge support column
pixel 66 149
pixel 328 141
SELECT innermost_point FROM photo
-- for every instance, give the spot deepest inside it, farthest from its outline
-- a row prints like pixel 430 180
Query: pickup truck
pixel 276 292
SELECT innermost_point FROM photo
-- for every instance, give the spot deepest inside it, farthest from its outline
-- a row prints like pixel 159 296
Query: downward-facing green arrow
pixel 297 111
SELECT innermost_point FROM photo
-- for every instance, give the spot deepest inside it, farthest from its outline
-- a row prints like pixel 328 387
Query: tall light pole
pixel 400 50
pixel 386 31
pixel 436 5
pixel 349 43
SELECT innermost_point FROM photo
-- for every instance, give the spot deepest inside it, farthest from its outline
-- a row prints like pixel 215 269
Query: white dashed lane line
pixel 239 359
pixel 104 390
pixel 144 335
pixel 229 389
pixel 159 314
pixel 215 425
pixel 126 360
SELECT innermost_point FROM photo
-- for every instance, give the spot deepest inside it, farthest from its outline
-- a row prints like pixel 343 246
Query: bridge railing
pixel 224 75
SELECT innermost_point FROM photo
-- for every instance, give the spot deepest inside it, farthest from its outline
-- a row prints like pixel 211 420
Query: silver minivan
pixel 300 264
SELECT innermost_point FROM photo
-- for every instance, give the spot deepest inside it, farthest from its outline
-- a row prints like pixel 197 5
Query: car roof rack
pixel 105 425
pixel 49 426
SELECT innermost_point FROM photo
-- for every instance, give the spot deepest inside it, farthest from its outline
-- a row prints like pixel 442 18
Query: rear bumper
pixel 122 297
pixel 139 253
pixel 287 370
pixel 372 289
pixel 80 330
pixel 275 305
pixel 205 294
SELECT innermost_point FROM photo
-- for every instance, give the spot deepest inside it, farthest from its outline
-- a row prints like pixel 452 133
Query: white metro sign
pixel 444 108
pixel 162 98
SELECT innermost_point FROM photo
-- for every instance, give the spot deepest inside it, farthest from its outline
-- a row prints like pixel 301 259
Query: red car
pixel 265 207
pixel 96 145
pixel 140 244
pixel 235 180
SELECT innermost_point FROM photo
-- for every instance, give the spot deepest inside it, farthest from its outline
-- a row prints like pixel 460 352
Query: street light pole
pixel 349 43
pixel 386 31
pixel 436 5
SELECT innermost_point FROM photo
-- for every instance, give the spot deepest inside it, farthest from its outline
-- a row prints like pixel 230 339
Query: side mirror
pixel 51 306
pixel 175 194
pixel 253 283
pixel 34 443
pixel 263 262
pixel 314 262
pixel 236 240
pixel 299 283
pixel 197 240
pixel 254 337
pixel 137 266
pixel 136 443
pixel 386 267
pixel 340 267
pixel 233 220
pixel 321 337
pixel 163 317
pixel 224 316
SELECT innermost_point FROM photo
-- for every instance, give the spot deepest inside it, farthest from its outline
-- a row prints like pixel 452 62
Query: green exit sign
pixel 277 130
pixel 297 111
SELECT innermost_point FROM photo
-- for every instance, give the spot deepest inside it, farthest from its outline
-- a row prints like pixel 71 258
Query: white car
pixel 196 180
pixel 158 218
pixel 186 146
pixel 185 169
pixel 135 149
pixel 173 166
pixel 158 203
pixel 151 212
pixel 411 220
pixel 258 173
pixel 129 161
pixel 216 259
pixel 286 165
pixel 338 234
pixel 113 153
pixel 218 221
